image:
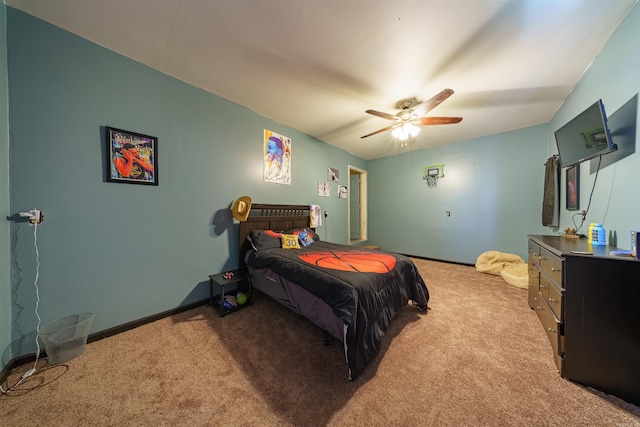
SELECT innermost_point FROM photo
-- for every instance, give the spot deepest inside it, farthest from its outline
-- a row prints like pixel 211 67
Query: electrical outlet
pixel 584 215
pixel 447 213
pixel 37 217
pixel 34 215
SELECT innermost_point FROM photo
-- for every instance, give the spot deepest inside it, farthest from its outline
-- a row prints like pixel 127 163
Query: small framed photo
pixel 333 174
pixel 573 187
pixel 324 189
pixel 132 158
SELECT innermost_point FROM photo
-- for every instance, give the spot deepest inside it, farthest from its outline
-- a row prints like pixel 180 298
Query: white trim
pixel 364 234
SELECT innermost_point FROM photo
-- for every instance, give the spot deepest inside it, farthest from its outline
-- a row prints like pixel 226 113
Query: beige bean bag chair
pixel 510 267
pixel 493 262
pixel 517 276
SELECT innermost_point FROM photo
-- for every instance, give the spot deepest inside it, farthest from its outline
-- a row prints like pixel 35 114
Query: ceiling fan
pixel 411 115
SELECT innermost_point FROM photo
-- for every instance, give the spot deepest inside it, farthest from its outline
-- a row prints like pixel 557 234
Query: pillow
pixel 290 241
pixel 264 239
pixel 312 233
pixel 305 238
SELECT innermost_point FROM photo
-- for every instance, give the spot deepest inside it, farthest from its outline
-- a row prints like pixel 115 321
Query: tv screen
pixel 584 137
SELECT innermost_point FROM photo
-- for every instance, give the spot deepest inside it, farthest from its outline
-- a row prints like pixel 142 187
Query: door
pixel 354 206
pixel 357 204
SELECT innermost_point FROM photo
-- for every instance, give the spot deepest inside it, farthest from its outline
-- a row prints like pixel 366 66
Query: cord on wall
pixel 585 212
pixel 35 283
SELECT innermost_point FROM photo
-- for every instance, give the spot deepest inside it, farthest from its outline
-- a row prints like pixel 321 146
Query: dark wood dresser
pixel 589 307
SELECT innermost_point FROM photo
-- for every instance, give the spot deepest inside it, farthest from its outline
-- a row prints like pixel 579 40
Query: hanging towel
pixel 316 217
pixel 551 200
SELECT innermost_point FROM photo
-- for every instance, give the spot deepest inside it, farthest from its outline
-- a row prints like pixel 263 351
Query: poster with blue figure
pixel 277 158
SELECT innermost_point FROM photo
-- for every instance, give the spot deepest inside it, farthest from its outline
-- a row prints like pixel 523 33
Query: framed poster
pixel 132 158
pixel 573 187
pixel 277 158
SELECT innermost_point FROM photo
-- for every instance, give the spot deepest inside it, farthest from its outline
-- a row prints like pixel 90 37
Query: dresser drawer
pixel 552 265
pixel 534 283
pixel 535 299
pixel 552 295
pixel 552 326
pixel 555 299
pixel 534 252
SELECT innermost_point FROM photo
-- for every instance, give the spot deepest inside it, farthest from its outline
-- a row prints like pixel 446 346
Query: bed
pixel 350 292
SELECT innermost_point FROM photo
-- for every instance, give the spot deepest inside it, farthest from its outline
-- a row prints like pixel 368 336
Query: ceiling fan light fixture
pixel 412 129
pixel 405 131
pixel 404 126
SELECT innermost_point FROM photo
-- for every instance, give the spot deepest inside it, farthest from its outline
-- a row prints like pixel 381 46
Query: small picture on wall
pixel 342 192
pixel 132 157
pixel 573 188
pixel 333 174
pixel 324 189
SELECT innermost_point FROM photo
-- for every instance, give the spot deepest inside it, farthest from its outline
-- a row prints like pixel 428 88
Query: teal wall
pixel 492 187
pixel 5 288
pixel 125 251
pixel 614 77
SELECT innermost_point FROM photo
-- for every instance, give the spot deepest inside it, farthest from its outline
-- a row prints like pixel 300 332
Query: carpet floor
pixel 478 357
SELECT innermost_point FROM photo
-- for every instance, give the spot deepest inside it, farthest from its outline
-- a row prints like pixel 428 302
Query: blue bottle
pixel 598 235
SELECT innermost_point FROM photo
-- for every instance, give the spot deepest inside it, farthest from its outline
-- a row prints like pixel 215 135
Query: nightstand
pixel 239 277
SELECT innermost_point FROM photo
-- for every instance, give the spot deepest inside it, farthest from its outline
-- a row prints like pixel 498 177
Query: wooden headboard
pixel 272 217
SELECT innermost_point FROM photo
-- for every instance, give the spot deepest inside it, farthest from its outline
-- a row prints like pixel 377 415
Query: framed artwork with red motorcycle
pixel 132 158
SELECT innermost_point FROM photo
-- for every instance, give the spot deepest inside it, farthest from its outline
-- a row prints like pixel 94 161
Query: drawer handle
pixel 555 269
pixel 552 330
pixel 543 287
pixel 553 300
pixel 539 308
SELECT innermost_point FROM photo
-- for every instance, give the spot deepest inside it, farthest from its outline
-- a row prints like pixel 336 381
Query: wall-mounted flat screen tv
pixel 585 137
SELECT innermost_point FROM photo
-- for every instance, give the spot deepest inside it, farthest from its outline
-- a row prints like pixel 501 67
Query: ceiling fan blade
pixel 380 131
pixel 381 114
pixel 428 121
pixel 432 102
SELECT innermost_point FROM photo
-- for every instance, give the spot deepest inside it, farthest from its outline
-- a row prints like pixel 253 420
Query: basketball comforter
pixel 365 288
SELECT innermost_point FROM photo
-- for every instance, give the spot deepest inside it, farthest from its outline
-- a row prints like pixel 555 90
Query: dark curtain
pixel 551 200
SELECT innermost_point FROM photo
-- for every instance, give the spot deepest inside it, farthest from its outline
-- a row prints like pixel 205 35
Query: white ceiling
pixel 317 65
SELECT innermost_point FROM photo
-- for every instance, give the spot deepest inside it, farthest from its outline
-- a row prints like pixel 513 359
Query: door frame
pixel 363 205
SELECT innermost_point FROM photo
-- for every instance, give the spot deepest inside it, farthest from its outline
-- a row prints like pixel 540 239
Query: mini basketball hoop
pixel 432 174
pixel 432 180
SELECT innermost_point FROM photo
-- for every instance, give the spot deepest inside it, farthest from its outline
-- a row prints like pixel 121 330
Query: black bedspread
pixel 364 287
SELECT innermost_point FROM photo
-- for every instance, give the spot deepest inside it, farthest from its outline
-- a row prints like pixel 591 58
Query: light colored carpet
pixel 479 357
